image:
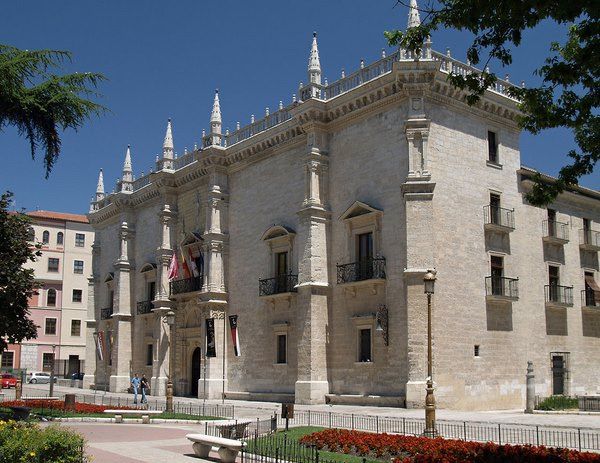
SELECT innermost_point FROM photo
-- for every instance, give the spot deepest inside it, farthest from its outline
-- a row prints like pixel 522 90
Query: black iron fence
pixel 558 294
pixel 582 439
pixel 365 269
pixel 106 313
pixel 589 403
pixel 589 238
pixel 186 285
pixel 590 298
pixel 554 229
pixel 499 216
pixel 502 287
pixel 280 284
pixel 144 307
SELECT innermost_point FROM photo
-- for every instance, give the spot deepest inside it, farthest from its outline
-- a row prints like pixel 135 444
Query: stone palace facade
pixel 315 226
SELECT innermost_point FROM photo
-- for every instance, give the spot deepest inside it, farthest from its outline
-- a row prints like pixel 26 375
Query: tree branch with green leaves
pixel 569 93
pixel 40 103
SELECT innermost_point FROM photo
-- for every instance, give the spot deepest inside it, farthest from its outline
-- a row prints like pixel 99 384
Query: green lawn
pixel 267 446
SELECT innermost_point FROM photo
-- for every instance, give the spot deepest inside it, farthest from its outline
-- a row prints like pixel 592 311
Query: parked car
pixel 77 376
pixel 39 377
pixel 8 381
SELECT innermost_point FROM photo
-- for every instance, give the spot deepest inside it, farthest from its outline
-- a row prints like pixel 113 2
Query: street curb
pixel 89 419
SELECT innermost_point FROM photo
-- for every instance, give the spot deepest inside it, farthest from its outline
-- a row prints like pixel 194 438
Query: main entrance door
pixel 558 374
pixel 196 356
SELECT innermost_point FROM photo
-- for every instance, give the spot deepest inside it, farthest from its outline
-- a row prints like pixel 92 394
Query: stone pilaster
pixel 215 366
pixel 89 377
pixel 313 288
pixel 122 348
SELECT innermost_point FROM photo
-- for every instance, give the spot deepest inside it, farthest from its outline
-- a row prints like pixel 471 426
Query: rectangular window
pixel 497 271
pixel 47 361
pixel 553 275
pixel 495 208
pixel 79 240
pixel 59 238
pixel 53 264
pixel 77 295
pixel 364 345
pixel 551 222
pixel 282 267
pixel 75 327
pixel 151 290
pixel 492 147
pixel 364 243
pixel 111 301
pixel 476 350
pixel 281 348
pixel 587 231
pixel 78 266
pixel 8 359
pixel 50 326
pixel 149 355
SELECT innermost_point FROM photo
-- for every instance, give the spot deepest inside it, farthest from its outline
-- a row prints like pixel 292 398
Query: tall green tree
pixel 569 94
pixel 17 283
pixel 40 103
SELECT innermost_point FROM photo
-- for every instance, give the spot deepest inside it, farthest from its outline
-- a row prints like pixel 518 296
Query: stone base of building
pixel 88 382
pixel 370 400
pixel 158 386
pixel 119 383
pixel 213 387
pixel 278 397
pixel 311 392
pixel 415 394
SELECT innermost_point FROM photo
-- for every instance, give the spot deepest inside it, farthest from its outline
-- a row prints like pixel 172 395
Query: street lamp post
pixel 52 371
pixel 169 319
pixel 430 430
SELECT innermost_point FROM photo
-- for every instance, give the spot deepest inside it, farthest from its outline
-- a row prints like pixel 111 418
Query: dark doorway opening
pixel 196 359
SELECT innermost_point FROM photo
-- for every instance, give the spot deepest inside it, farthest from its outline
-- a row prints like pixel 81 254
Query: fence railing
pixel 556 230
pixel 500 433
pixel 499 216
pixel 590 298
pixel 502 287
pixel 589 238
pixel 365 269
pixel 281 284
pixel 144 307
pixel 186 285
pixel 557 294
pixel 589 403
pixel 106 313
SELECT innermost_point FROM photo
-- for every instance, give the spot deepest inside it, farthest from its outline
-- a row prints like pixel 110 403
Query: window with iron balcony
pixel 497 218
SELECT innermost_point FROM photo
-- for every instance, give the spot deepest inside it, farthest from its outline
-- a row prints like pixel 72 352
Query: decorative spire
pixel 314 65
pixel 167 152
pixel 215 121
pixel 127 177
pixel 100 187
pixel 414 19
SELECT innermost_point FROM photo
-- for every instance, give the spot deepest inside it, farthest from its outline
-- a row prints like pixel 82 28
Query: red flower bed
pixel 59 405
pixel 408 449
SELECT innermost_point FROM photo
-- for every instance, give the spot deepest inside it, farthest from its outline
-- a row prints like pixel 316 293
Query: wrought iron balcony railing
pixel 499 217
pixel 366 269
pixel 556 231
pixel 502 287
pixel 589 239
pixel 144 307
pixel 280 284
pixel 106 313
pixel 559 295
pixel 590 298
pixel 185 285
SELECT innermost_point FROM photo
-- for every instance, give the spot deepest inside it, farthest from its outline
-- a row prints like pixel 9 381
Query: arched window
pixel 59 238
pixel 45 237
pixel 30 234
pixel 51 298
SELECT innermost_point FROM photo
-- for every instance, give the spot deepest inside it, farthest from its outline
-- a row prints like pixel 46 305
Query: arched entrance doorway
pixel 196 356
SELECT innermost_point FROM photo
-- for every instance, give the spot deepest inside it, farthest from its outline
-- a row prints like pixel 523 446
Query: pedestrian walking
pixel 145 387
pixel 135 385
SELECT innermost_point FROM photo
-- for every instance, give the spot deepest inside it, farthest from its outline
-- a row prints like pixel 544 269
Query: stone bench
pixel 144 413
pixel 228 448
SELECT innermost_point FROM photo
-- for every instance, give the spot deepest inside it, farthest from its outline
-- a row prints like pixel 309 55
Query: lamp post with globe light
pixel 430 430
pixel 169 319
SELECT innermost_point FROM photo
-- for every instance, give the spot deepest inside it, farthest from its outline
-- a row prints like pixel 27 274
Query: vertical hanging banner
pixel 211 347
pixel 108 344
pixel 99 347
pixel 233 326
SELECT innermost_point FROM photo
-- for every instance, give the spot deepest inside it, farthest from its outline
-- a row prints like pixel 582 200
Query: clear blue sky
pixel 165 58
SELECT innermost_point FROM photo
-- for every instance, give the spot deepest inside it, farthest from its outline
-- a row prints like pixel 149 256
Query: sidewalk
pixel 263 410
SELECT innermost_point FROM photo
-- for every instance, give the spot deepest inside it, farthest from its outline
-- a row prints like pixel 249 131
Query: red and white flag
pixel 234 335
pixel 173 267
pixel 99 338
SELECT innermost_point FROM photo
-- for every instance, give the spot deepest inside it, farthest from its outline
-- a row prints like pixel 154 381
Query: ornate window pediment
pixel 276 232
pixel 109 277
pixel 362 210
pixel 148 267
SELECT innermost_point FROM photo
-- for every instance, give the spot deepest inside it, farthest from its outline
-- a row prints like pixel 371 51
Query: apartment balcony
pixel 498 219
pixel 590 299
pixel 282 285
pixel 185 286
pixel 501 288
pixel 589 240
pixel 106 314
pixel 144 307
pixel 558 296
pixel 555 232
